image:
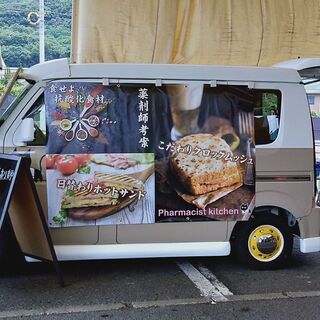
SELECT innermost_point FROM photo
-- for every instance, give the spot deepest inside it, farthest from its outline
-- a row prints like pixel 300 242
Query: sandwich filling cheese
pixel 80 199
pixel 202 172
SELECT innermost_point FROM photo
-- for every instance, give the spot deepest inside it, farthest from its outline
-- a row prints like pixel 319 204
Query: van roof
pixel 61 69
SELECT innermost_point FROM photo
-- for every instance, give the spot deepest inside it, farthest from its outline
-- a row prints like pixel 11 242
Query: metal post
pixel 41 31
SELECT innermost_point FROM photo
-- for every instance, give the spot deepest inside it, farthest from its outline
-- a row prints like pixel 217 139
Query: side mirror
pixel 26 130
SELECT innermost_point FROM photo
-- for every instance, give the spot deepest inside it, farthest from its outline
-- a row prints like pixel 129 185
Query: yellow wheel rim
pixel 265 243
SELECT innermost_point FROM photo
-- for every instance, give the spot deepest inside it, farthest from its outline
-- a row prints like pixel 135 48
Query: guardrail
pixel 2 71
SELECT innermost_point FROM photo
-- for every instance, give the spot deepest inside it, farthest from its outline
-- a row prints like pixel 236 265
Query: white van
pixel 133 134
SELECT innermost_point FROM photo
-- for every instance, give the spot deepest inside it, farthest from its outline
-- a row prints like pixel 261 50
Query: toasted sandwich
pixel 202 172
pixel 90 205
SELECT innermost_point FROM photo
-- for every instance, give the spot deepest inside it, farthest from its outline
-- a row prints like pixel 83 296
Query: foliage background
pixel 19 40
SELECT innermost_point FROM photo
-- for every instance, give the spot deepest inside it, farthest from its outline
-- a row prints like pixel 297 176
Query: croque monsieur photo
pixel 200 173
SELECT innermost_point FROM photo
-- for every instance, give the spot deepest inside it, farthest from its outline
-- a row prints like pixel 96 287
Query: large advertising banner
pixel 137 153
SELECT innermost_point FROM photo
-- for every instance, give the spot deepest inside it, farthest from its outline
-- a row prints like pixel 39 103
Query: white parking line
pixel 207 289
pixel 214 280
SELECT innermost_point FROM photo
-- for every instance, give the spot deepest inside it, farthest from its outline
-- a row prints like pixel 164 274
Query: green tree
pixel 269 103
pixel 314 114
pixel 19 40
pixel 4 80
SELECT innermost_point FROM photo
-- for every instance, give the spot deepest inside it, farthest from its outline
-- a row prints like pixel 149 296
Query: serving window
pixel 267 116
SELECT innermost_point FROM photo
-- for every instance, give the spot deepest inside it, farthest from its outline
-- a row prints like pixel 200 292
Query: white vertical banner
pixel 41 32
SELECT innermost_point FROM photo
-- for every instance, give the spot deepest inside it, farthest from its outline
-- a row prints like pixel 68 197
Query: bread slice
pixel 80 199
pixel 119 181
pixel 200 173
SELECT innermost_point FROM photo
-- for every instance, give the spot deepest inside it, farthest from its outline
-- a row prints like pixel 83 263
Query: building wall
pixel 316 105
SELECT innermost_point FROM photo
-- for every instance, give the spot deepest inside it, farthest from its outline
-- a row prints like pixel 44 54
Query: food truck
pixel 146 160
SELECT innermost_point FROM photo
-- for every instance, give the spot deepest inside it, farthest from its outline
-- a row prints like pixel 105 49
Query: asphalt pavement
pixel 196 288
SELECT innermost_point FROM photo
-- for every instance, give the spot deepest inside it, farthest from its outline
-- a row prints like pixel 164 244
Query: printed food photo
pixel 132 154
pixel 92 187
pixel 202 169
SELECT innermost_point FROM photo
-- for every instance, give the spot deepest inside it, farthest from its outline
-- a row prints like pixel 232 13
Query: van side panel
pixel 172 232
pixel 310 226
pixel 285 168
pixel 292 161
pixel 284 178
pixel 76 235
pixel 280 194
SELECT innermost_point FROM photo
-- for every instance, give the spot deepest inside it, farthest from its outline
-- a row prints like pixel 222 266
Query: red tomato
pixel 82 159
pixel 56 158
pixel 67 165
pixel 49 162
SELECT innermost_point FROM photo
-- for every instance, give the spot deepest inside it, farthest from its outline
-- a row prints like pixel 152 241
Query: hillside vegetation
pixel 19 40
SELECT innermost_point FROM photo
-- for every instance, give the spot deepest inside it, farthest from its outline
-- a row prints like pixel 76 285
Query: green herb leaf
pixel 63 213
pixel 70 193
pixel 84 169
pixel 56 219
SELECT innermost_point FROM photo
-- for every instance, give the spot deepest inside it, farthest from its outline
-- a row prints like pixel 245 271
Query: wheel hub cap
pixel 265 243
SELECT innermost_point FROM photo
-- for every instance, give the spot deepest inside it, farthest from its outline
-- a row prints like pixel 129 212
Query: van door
pixel 198 119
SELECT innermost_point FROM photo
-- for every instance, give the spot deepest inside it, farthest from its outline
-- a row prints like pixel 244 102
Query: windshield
pixel 12 90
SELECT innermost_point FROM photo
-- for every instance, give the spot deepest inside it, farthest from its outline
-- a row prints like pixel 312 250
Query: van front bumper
pixel 309 245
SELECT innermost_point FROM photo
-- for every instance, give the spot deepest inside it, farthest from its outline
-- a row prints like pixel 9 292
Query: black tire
pixel 263 261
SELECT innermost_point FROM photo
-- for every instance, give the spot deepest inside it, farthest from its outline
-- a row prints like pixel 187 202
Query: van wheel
pixel 264 242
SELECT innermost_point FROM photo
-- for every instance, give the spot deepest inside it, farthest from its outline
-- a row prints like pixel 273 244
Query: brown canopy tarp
pixel 234 32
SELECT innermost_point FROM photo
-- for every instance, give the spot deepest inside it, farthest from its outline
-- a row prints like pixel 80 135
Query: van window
pixel 38 113
pixel 311 99
pixel 13 99
pixel 266 116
